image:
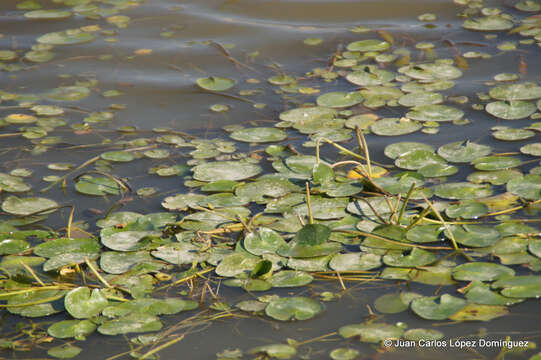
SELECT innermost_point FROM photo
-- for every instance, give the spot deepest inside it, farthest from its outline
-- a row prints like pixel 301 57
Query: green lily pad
pixel 65 251
pixel 317 263
pixel 371 332
pixel 259 135
pixel 215 83
pixel 258 190
pixel 528 5
pixel 370 76
pixel 463 152
pixel 182 201
pixel 416 159
pixel 34 303
pixel 68 93
pixel 413 258
pixel 236 264
pixel 368 45
pixel 395 150
pixel 133 323
pixel 13 246
pixel 28 206
pixel 498 177
pixel 467 209
pixel 47 14
pixel 420 98
pixel 293 308
pixel 179 253
pixel 511 92
pixel 511 110
pixel 290 278
pixel 13 184
pixel 427 307
pixel 424 233
pixel 432 72
pixel 482 271
pixel 301 115
pixel 225 170
pixel 395 126
pixel 533 149
pixel 125 240
pixel 77 329
pixel 362 121
pixel 462 190
pixel 278 351
pixel 355 262
pixel 435 113
pixel 81 303
pixel 474 235
pixel 477 312
pixel 324 208
pixel 491 163
pixel 488 23
pixel 480 293
pixel 150 306
pixel 65 351
pixel 344 354
pixel 527 187
pixel 67 37
pixel 390 304
pixel 115 262
pixel 339 99
pixel 97 186
pixel 263 241
pixel 117 156
pixel 522 291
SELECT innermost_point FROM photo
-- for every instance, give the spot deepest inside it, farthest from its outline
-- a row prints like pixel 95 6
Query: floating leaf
pixel 482 271
pixel 462 190
pixel 488 23
pixel 115 262
pixel 132 323
pixel 395 126
pixel 65 351
pixel 77 329
pixel 435 113
pixel 368 45
pixel 225 170
pixel 462 152
pixel 289 278
pixel 480 293
pixel 259 135
pixel 355 262
pixel 344 354
pixel 477 312
pixel 423 334
pixel 474 235
pixel 278 351
pixel 68 93
pixel 67 37
pixel 420 98
pixel 427 307
pixel 417 257
pixel 339 99
pixel 150 306
pixel 301 115
pixel 27 206
pixel 533 149
pixel 491 163
pixel 215 83
pixel 293 308
pixel 424 233
pixel 263 241
pixel 416 159
pixel 47 14
pixel 511 92
pixel 369 76
pixel 98 186
pixel 371 332
pixel 527 187
pixel 466 210
pixel 498 177
pixel 390 304
pixel 81 303
pixel 512 110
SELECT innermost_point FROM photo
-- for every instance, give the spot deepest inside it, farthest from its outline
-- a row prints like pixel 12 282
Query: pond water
pixel 131 74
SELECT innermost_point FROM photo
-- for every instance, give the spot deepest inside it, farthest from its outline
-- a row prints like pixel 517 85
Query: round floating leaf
pixel 527 187
pixel 150 306
pixel 491 163
pixel 362 121
pixel 128 240
pixel 462 190
pixel 435 113
pixel 466 210
pixel 32 303
pixel 428 308
pixel 293 308
pixel 482 271
pixel 132 323
pixel 417 257
pixel 480 293
pixel 67 37
pixel 236 264
pixel 438 170
pixel 27 206
pixel 533 149
pixel 528 5
pixel 477 312
pixel 339 99
pixel 263 241
pixel 259 135
pixel 523 291
pixel 258 190
pixel 417 159
pixel 420 98
pixel 117 156
pixel 344 354
pixel 371 332
pixel 390 304
pixel 511 110
pixel 278 351
pixel 370 76
pixel 78 329
pixel 182 201
pixel 432 72
pixel 498 177
pixel 115 262
pixel 301 115
pixel 400 148
pixel 424 233
pixel 81 303
pixel 510 92
pixel 13 246
pixel 368 45
pixel 324 208
pixel 290 278
pixel 98 186
pixel 395 126
pixel 65 351
pixel 47 14
pixel 462 152
pixel 423 334
pixel 68 93
pixel 488 23
pixel 474 235
pixel 355 262
pixel 225 170
pixel 215 83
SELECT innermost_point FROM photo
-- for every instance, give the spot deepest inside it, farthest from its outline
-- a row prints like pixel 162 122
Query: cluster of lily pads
pixel 270 216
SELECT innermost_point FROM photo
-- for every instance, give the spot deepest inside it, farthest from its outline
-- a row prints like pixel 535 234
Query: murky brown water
pixel 159 91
